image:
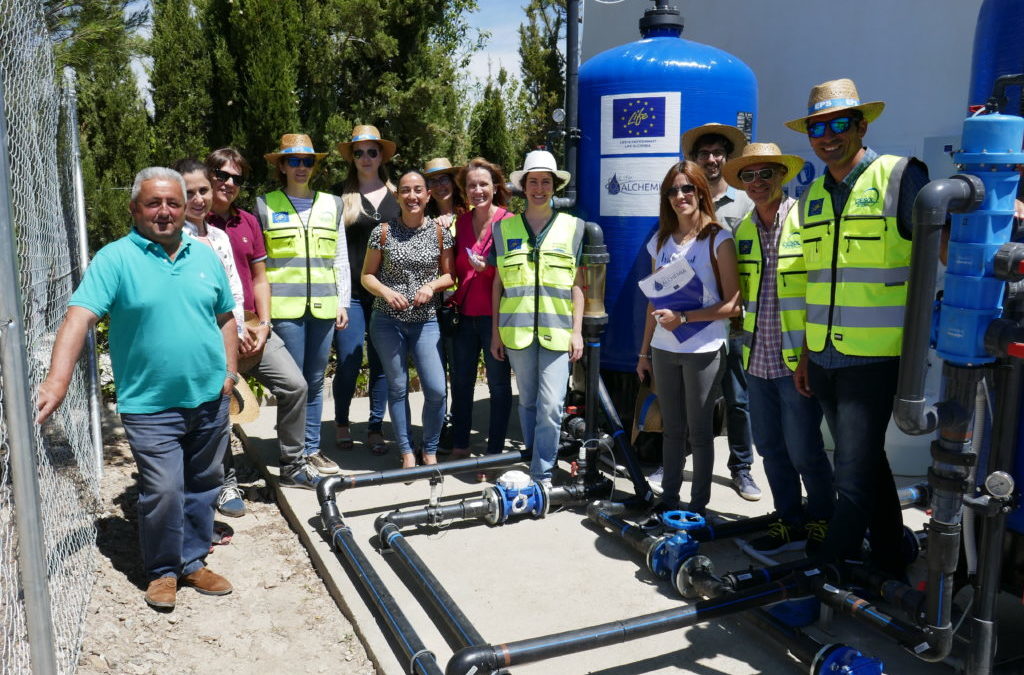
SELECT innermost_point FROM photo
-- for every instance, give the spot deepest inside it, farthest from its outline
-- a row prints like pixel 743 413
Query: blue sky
pixel 501 18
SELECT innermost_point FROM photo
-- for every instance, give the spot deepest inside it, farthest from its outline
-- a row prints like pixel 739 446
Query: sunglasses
pixel 307 162
pixel 750 175
pixel 225 177
pixel 838 126
pixel 369 152
pixel 439 180
pixel 677 189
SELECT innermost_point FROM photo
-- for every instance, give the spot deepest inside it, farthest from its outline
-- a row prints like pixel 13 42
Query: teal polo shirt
pixel 165 345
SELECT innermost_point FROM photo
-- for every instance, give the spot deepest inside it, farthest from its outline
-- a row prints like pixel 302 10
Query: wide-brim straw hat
pixel 438 166
pixel 760 153
pixel 367 132
pixel 735 136
pixel 833 96
pixel 243 406
pixel 540 160
pixel 294 144
pixel 247 363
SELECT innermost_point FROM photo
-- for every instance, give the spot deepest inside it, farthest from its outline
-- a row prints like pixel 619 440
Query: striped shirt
pixel 766 350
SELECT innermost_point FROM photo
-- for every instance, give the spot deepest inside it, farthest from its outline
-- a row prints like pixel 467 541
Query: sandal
pixel 222 533
pixel 378 445
pixel 404 459
pixel 461 453
pixel 343 439
pixel 428 460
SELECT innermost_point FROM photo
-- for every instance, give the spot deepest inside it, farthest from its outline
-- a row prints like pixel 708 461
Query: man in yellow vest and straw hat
pixel 786 426
pixel 855 229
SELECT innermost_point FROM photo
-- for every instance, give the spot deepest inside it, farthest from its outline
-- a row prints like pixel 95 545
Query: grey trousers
pixel 687 387
pixel 277 372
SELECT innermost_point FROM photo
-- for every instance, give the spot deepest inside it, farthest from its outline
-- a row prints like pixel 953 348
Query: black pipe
pixel 572 74
pixel 799 644
pixel 420 660
pixel 486 658
pixel 626 455
pixel 959 194
pixel 846 602
pixel 435 515
pixel 458 624
pixel 334 484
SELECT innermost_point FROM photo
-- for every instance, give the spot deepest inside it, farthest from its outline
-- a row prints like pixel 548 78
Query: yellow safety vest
pixel 790 283
pixel 300 260
pixel 537 297
pixel 857 265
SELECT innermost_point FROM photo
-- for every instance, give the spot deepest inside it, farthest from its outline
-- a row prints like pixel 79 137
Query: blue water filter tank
pixel 635 101
pixel 998 50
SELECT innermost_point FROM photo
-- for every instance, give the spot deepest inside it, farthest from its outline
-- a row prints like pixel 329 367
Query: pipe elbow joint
pixel 326 489
pixel 940 643
pixel 472 660
pixel 915 416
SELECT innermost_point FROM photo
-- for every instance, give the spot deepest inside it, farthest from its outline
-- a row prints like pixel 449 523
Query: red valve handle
pixel 1015 349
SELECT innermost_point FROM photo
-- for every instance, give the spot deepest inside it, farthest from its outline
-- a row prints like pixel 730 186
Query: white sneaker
pixel 654 480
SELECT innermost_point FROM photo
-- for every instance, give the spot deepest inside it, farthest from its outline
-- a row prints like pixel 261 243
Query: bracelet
pixel 233 376
pixel 644 356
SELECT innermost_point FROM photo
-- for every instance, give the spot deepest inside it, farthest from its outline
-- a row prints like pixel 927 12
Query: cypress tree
pixel 180 81
pixel 494 134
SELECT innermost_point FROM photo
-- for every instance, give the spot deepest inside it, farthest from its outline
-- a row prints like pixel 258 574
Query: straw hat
pixel 735 136
pixel 438 166
pixel 247 363
pixel 833 96
pixel 367 132
pixel 294 144
pixel 243 406
pixel 540 160
pixel 760 153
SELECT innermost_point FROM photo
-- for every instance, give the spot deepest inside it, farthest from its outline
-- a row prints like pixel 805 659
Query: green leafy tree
pixel 493 130
pixel 180 81
pixel 542 63
pixel 95 37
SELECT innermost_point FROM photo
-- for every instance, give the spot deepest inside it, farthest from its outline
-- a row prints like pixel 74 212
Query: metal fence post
pixel 20 418
pixel 92 369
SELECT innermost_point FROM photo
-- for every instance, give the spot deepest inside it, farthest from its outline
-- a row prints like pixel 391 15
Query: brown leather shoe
pixel 161 592
pixel 207 582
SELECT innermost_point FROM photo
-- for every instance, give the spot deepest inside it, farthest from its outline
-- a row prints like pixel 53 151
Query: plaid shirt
pixel 766 353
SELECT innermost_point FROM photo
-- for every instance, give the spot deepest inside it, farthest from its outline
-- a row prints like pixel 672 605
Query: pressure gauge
pixel 999 484
pixel 558 115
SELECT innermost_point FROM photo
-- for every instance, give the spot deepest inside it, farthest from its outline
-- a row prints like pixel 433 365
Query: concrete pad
pixel 536 577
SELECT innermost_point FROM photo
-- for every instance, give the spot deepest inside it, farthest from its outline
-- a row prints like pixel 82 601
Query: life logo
pixel 867 198
pixel 631 185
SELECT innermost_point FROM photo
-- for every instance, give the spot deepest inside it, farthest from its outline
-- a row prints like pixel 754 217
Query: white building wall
pixel 913 54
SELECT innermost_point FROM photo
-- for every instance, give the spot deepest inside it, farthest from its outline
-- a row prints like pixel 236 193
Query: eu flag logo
pixel 639 117
pixel 814 209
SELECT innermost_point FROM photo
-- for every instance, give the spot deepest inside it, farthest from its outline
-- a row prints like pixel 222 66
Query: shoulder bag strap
pixel 714 263
pixel 383 235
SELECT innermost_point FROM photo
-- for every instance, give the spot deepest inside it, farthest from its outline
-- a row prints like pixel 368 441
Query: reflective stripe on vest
pixel 857 265
pixel 537 296
pixel 790 283
pixel 300 260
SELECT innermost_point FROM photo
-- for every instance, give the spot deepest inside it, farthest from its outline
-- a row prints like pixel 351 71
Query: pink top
pixel 474 293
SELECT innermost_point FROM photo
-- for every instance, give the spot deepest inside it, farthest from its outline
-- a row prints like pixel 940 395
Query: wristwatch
pixel 682 318
pixel 266 323
pixel 234 376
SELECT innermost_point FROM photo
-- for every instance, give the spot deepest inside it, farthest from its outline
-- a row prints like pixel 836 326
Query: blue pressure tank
pixel 635 101
pixel 998 50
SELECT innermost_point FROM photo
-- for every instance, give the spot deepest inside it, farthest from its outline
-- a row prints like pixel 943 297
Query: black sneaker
pixel 815 530
pixel 446 442
pixel 780 537
pixel 301 476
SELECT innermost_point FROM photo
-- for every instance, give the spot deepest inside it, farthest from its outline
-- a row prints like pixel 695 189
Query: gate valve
pixel 1008 263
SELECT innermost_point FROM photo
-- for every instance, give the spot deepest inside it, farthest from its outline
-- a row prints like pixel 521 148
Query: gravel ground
pixel 279 619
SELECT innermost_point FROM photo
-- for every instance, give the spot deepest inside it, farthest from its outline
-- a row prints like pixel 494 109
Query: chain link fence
pixel 41 144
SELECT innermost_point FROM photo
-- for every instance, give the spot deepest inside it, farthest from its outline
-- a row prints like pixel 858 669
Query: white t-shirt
pixel 697 252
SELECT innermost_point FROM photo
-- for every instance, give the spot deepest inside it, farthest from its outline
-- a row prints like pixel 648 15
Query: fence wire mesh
pixel 39 142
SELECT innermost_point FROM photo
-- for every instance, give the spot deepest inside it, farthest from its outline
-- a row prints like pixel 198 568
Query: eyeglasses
pixel 439 180
pixel 838 126
pixel 750 175
pixel 307 162
pixel 369 152
pixel 708 154
pixel 684 189
pixel 225 177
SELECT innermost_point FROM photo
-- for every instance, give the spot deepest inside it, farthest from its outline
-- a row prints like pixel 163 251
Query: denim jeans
pixel 472 337
pixel 396 340
pixel 348 344
pixel 857 402
pixel 542 376
pixel 787 432
pixel 686 385
pixel 737 418
pixel 179 453
pixel 308 340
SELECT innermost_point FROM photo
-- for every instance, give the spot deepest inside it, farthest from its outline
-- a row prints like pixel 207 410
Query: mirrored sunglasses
pixel 838 126
pixel 307 162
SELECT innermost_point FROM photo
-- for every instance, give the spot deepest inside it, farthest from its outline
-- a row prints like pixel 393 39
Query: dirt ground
pixel 279 619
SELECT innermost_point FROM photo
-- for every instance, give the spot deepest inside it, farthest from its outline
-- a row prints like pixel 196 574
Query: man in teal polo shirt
pixel 173 346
